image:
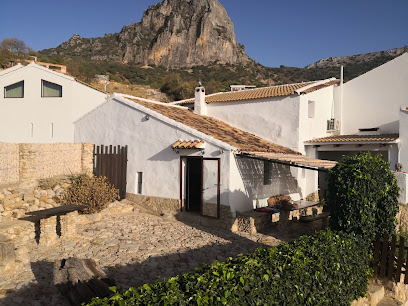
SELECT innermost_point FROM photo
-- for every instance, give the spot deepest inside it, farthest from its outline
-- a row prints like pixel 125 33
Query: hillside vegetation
pixel 144 80
pixel 180 83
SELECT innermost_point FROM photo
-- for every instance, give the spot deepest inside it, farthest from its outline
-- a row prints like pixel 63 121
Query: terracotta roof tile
pixel 356 138
pixel 217 129
pixel 191 144
pixel 259 93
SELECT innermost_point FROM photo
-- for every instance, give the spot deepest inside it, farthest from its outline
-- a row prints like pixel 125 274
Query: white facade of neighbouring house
pixel 151 136
pixel 39 105
pixel 374 99
pixel 369 115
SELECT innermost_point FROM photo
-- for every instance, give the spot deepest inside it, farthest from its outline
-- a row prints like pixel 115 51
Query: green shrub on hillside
pixel 363 196
pixel 327 268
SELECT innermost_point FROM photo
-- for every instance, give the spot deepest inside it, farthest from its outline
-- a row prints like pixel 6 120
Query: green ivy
pixel 363 196
pixel 328 268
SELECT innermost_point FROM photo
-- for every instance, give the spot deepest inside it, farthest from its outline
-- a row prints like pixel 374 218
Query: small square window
pixel 49 89
pixel 15 90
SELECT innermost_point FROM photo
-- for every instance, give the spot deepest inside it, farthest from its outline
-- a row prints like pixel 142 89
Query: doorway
pixel 194 183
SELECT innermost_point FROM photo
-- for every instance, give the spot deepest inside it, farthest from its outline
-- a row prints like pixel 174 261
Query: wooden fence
pixel 390 258
pixel 111 161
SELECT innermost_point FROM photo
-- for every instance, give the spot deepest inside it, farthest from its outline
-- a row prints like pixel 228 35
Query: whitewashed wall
pixel 403 134
pixel 17 114
pixel 374 98
pixel 149 144
pixel 274 119
pixel 247 183
pixel 314 127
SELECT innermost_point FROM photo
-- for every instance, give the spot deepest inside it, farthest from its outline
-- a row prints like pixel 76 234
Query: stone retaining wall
pixel 25 164
pixel 9 163
pixel 14 202
pixel 156 204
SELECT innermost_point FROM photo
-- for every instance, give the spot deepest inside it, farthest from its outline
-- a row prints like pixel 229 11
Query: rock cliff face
pixel 173 33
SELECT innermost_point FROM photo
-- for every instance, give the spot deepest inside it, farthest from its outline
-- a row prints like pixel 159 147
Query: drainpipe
pixel 341 98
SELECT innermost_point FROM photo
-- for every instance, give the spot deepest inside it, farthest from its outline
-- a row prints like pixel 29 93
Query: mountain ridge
pixel 172 34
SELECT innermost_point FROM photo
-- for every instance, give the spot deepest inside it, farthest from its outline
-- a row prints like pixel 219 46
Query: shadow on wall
pixel 280 180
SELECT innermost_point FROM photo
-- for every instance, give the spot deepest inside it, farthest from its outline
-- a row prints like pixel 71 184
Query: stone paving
pixel 132 248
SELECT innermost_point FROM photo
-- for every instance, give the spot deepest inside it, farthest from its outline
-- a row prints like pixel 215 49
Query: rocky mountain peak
pixel 172 33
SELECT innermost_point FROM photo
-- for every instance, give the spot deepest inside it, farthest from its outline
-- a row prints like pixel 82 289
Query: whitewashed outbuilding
pixel 177 154
pixel 39 105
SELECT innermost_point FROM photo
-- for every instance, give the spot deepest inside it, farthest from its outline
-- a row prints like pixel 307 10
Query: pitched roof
pixel 217 129
pixel 265 92
pixel 355 138
pixel 190 144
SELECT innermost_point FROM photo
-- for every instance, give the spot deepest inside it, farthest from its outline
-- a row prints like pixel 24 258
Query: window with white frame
pixel 15 90
pixel 49 89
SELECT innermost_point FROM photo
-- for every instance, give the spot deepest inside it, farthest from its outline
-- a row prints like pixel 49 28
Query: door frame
pixel 202 182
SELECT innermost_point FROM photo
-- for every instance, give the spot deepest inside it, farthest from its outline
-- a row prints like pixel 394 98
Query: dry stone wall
pixel 9 163
pixel 25 164
pixel 58 159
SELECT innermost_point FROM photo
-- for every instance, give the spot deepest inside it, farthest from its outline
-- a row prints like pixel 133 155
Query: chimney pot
pixel 200 107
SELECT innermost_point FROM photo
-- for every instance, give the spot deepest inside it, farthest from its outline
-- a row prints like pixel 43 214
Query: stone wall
pixel 155 204
pixel 49 193
pixel 9 163
pixel 25 164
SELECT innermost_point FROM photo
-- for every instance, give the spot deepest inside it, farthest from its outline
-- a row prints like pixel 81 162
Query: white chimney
pixel 199 103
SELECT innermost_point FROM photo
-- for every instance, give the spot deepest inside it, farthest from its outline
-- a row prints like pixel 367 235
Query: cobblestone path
pixel 133 248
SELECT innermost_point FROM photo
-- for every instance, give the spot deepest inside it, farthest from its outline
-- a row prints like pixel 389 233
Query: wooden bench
pixel 53 223
pixel 56 211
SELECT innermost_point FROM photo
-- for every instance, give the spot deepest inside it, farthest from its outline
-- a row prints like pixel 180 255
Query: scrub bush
pixel 93 191
pixel 363 196
pixel 327 268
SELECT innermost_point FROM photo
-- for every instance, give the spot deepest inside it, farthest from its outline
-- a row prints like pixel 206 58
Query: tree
pixel 14 45
pixel 363 196
pixel 176 88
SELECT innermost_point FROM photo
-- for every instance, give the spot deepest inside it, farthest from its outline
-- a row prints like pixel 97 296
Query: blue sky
pixel 291 33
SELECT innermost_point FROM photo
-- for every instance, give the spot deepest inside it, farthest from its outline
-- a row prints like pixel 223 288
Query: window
pixel 310 109
pixel 139 182
pixel 267 172
pixel 14 91
pixel 49 89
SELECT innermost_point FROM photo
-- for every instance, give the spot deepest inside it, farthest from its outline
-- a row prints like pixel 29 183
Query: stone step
pixel 388 301
pixel 375 293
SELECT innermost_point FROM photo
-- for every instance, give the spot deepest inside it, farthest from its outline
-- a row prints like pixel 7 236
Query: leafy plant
pixel 93 191
pixel 328 268
pixel 363 196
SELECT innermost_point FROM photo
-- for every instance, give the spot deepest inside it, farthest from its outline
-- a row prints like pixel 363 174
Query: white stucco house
pixel 39 105
pixel 325 119
pixel 194 159
pixel 371 111
pixel 287 115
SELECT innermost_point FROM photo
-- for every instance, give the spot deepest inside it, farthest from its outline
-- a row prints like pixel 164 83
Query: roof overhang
pixel 300 161
pixel 351 141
